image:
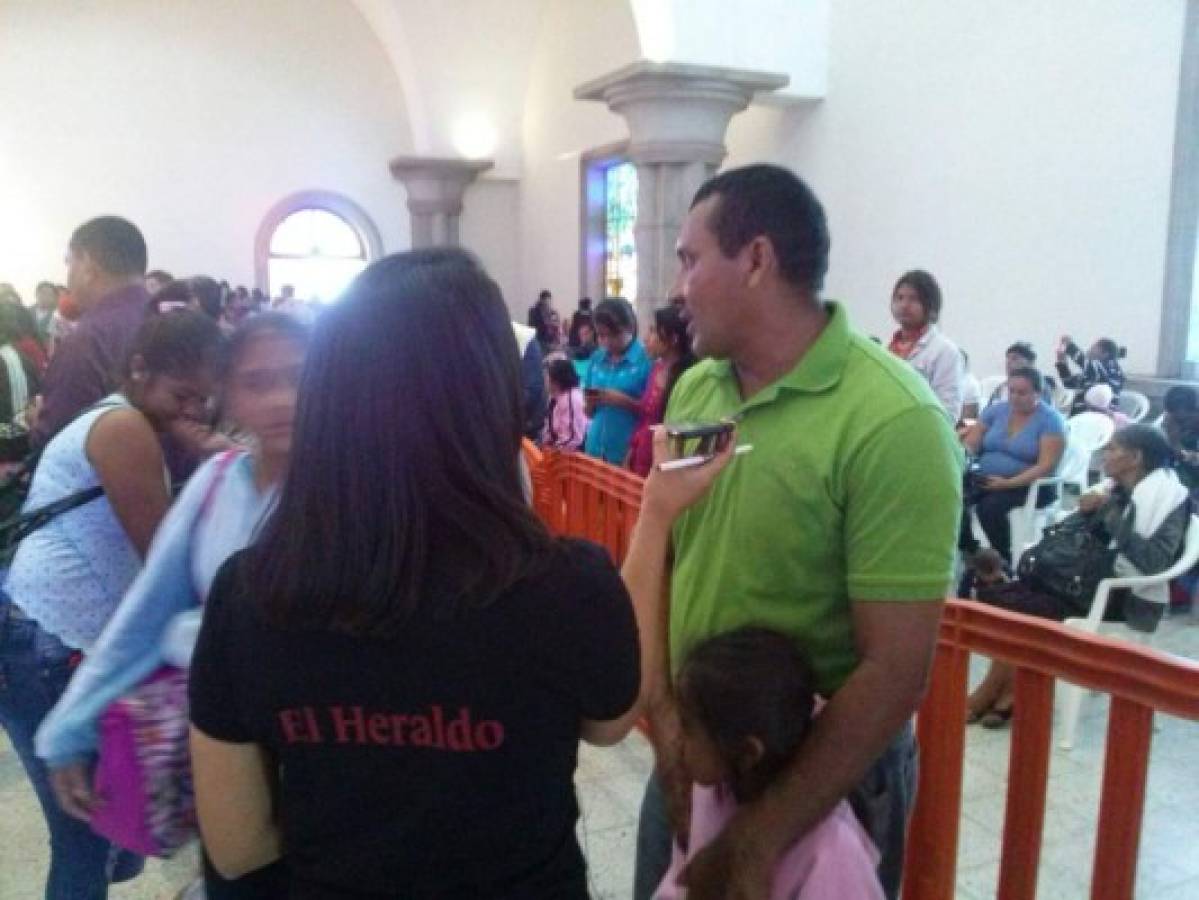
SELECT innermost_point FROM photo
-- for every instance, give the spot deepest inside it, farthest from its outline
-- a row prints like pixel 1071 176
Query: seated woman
pixel 1181 426
pixel 1016 441
pixel 390 686
pixel 1141 514
pixel 1099 365
pixel 615 381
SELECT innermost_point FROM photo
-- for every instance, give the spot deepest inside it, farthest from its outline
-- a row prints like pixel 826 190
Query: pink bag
pixel 143 779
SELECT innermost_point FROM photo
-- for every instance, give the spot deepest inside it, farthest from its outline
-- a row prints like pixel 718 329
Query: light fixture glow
pixel 474 136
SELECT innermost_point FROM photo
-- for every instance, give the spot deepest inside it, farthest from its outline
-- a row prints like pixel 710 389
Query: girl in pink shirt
pixel 566 424
pixel 746 700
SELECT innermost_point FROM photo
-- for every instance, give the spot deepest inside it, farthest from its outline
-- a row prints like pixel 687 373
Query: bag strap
pixel 24 524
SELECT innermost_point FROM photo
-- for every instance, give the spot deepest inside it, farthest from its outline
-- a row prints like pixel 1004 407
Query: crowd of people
pixel 386 659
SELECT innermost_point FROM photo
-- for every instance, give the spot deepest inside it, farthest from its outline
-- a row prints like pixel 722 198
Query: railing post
pixel 1028 780
pixel 1122 804
pixel 930 863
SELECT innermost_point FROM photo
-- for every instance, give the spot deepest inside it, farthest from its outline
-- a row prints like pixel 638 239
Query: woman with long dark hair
pixel 669 344
pixel 615 381
pixel 69 575
pixel 389 688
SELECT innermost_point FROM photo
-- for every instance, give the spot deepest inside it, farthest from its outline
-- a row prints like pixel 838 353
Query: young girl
pixel 566 424
pixel 746 699
pixel 667 342
pixel 217 514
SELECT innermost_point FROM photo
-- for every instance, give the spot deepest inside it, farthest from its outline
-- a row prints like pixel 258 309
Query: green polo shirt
pixel 852 491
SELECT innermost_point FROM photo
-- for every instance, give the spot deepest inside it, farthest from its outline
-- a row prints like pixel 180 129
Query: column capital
pixel 436 184
pixel 678 112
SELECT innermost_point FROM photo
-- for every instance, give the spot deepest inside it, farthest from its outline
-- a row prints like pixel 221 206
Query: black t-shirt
pixel 439 763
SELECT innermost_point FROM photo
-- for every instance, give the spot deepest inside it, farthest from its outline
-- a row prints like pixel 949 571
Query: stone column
pixel 677 116
pixel 435 187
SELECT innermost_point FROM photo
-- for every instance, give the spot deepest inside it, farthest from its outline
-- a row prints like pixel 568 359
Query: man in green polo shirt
pixel 839 528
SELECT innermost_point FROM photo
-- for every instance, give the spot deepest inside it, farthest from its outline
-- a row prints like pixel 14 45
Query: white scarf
pixel 1154 498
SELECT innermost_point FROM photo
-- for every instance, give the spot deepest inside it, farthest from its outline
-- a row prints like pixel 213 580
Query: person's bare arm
pixel 127 456
pixel 895 642
pixel 1049 451
pixel 233 802
pixel 664 498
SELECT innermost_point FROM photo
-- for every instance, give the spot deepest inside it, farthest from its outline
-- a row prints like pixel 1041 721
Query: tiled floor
pixel 610 782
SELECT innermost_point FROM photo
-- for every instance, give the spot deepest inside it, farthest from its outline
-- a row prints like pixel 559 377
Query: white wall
pixel 789 37
pixel 578 40
pixel 1020 151
pixel 192 118
pixel 489 229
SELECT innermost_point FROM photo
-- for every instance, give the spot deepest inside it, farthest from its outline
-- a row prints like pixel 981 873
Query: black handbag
pixel 1070 560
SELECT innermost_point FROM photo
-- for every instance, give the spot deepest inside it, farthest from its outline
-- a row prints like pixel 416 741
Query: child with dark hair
pixel 566 424
pixel 746 702
pixel 1100 364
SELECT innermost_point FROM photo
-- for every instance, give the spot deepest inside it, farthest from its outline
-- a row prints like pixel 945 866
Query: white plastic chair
pixel 1091 430
pixel 1133 404
pixel 1027 521
pixel 1093 623
pixel 987 386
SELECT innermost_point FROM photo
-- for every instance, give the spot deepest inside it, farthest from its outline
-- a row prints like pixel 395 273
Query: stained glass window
pixel 317 252
pixel 620 215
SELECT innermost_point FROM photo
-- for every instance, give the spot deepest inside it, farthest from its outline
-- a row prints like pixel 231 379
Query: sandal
pixel 996 718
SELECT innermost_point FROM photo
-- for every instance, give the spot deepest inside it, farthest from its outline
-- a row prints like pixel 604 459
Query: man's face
pixel 154 285
pixel 906 308
pixel 710 283
pixel 1014 361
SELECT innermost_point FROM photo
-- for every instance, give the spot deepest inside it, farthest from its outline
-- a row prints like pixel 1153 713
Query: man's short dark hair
pixel 1181 399
pixel 770 201
pixel 114 244
pixel 1023 349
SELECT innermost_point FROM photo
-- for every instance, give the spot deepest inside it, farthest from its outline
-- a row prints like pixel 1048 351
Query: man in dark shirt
pixel 106 268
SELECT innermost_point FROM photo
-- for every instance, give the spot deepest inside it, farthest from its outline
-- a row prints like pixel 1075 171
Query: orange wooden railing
pixel 581 497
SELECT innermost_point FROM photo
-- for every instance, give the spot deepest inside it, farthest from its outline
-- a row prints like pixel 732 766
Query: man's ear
pixel 760 260
pixel 749 754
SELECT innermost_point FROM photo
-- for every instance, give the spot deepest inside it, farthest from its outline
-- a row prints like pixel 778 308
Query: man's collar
pixel 819 369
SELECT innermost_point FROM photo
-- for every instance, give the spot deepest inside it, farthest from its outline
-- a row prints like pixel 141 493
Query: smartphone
pixel 698 442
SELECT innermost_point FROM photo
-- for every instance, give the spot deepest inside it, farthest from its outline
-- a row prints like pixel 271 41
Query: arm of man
pixel 127 456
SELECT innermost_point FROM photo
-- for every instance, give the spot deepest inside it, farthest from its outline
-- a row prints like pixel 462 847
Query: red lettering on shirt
pixel 358 726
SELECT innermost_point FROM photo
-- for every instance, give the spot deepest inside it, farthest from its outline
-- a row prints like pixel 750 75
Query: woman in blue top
pixel 218 513
pixel 615 381
pixel 1018 441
